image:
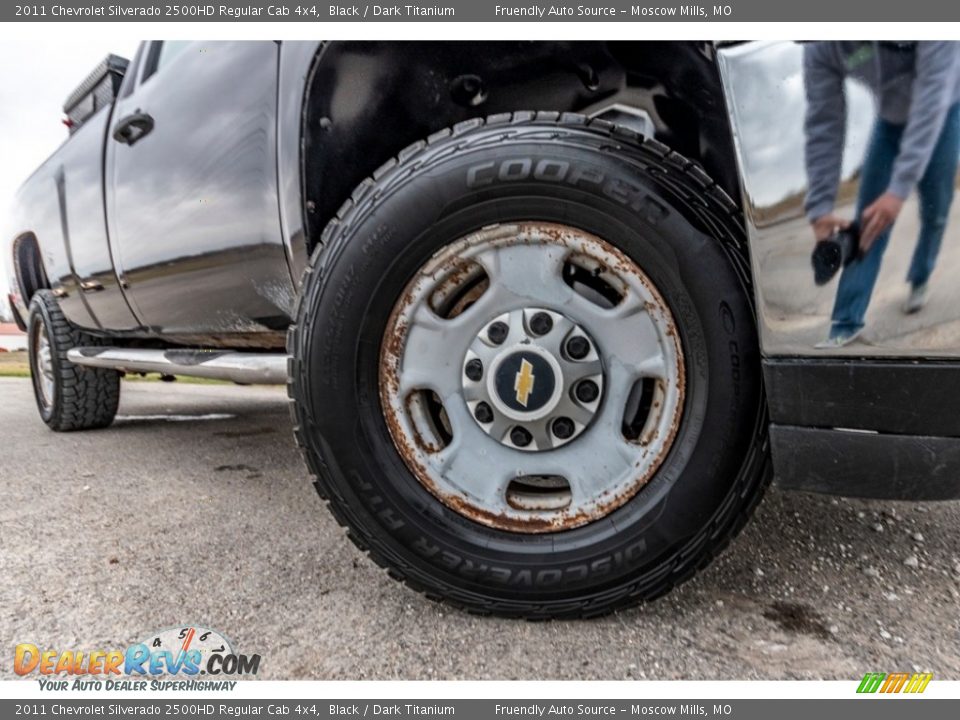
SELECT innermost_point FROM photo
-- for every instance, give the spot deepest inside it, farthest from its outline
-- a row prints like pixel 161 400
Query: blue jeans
pixel 935 191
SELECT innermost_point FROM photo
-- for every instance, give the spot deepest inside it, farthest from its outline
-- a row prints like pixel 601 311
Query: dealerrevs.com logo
pixel 171 659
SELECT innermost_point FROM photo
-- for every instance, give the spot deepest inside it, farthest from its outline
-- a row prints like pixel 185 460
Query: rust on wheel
pixel 531 377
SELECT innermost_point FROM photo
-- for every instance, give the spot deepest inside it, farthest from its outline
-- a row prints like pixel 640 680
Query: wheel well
pixel 28 266
pixel 366 101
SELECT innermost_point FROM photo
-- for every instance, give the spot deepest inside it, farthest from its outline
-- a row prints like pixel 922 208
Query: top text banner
pixel 620 11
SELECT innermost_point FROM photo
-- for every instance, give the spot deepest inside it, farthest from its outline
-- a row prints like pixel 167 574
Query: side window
pixel 130 76
pixel 160 55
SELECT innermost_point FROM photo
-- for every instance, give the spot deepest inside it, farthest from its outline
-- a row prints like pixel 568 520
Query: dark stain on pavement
pixel 797 618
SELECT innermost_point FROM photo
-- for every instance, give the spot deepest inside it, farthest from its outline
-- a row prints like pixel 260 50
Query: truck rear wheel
pixel 525 369
pixel 69 397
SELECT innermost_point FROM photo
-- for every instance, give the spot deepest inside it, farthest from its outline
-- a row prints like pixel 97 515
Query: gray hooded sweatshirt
pixel 914 84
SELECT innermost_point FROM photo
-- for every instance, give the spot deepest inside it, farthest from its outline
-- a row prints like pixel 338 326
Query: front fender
pixel 763 84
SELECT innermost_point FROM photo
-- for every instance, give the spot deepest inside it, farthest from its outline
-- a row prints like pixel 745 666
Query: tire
pixel 669 219
pixel 76 398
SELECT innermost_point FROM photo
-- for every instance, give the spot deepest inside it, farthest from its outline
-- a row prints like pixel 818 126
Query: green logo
pixel 894 682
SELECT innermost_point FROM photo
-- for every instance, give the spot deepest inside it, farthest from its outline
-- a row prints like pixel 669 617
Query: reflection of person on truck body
pixel 915 144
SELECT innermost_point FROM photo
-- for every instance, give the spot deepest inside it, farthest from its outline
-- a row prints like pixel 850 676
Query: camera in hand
pixel 837 251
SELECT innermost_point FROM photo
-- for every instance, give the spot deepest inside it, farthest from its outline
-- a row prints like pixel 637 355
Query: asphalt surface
pixel 195 508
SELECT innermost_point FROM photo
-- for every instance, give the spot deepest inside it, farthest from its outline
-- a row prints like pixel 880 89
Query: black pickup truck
pixel 545 310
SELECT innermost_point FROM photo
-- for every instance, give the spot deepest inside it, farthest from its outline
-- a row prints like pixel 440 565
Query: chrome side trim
pixel 250 368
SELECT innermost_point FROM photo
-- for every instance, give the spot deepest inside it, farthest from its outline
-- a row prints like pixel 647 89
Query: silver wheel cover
pixel 509 273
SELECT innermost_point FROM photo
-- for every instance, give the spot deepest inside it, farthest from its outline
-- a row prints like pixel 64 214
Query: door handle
pixel 132 128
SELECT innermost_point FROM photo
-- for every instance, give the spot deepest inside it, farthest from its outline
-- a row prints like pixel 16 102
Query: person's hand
pixel 877 217
pixel 827 225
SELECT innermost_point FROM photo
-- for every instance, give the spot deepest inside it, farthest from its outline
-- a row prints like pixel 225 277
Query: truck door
pixel 192 191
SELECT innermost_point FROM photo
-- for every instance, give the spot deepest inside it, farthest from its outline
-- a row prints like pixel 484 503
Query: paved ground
pixel 194 507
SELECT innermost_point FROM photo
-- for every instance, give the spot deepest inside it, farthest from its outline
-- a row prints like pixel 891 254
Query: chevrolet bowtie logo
pixel 523 384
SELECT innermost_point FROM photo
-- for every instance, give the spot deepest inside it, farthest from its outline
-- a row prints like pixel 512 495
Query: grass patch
pixel 14 364
pixel 151 377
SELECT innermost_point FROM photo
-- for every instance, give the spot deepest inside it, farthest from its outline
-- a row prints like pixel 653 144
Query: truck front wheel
pixel 69 397
pixel 525 369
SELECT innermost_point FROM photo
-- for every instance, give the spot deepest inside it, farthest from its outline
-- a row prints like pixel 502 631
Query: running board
pixel 240 367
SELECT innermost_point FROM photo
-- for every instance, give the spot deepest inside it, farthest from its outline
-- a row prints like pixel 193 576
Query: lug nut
pixel 483 413
pixel 587 391
pixel 474 369
pixel 520 437
pixel 578 347
pixel 498 332
pixel 541 323
pixel 563 427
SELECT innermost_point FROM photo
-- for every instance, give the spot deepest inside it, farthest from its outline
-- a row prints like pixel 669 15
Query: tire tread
pixel 88 397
